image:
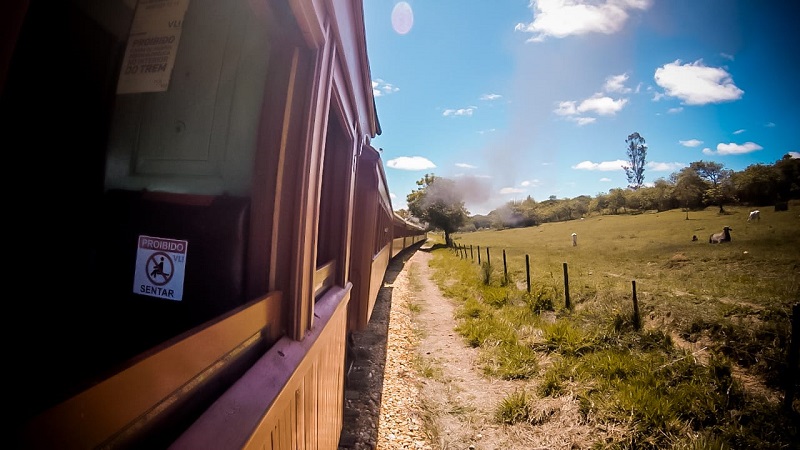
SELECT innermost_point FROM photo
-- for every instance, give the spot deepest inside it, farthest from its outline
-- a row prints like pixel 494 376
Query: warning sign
pixel 160 267
pixel 152 46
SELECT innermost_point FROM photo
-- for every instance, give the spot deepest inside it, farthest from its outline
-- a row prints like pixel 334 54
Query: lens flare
pixel 402 18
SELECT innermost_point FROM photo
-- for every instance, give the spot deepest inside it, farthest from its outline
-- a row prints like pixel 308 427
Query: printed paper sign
pixel 160 267
pixel 152 46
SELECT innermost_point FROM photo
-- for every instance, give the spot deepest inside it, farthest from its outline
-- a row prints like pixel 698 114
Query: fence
pixel 793 354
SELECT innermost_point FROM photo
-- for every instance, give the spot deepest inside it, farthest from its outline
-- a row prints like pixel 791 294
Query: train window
pixel 335 203
pixel 196 130
pixel 195 138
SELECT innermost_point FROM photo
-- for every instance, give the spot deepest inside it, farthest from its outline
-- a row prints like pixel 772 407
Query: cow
pixel 754 215
pixel 718 238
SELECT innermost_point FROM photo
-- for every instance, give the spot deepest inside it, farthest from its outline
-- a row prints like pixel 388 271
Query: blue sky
pixel 514 98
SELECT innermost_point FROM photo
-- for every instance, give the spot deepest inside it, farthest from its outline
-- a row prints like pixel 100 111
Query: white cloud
pixel 380 88
pixel 410 163
pixel 794 155
pixel 675 110
pixel 460 112
pixel 566 108
pixel 511 190
pixel 691 143
pixel 616 83
pixel 739 131
pixel 605 180
pixel 581 121
pixel 726 56
pixel 603 105
pixel 604 166
pixel 598 104
pixel 697 84
pixel 665 166
pixel 466 166
pixel 562 18
pixel 769 125
pixel 733 149
pixel 737 149
pixel 490 96
pixel 392 195
pixel 490 130
pixel 531 183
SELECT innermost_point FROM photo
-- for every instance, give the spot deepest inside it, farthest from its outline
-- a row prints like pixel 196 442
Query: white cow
pixel 754 215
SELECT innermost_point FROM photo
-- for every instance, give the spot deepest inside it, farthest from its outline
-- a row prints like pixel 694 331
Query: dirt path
pixel 428 392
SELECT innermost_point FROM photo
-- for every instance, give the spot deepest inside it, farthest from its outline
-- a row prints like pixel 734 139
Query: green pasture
pixel 706 311
pixel 759 268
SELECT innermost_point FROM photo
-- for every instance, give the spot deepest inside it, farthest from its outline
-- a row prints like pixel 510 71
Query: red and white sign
pixel 160 267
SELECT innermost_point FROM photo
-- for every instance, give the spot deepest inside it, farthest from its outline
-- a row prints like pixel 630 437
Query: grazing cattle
pixel 718 238
pixel 754 215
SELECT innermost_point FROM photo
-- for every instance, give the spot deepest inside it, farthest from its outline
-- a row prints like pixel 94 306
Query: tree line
pixel 702 184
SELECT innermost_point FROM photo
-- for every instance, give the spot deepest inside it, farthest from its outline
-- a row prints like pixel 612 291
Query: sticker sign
pixel 160 267
pixel 152 46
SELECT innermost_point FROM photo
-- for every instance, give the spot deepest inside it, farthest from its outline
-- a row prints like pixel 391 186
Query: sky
pixel 517 98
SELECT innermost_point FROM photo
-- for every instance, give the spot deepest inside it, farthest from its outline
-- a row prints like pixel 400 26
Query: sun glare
pixel 402 18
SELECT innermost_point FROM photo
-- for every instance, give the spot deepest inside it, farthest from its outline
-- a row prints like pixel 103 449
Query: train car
pixel 379 236
pixel 186 232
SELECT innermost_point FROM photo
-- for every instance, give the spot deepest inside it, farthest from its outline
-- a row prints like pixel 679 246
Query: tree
pixel 721 189
pixel 439 203
pixel 757 184
pixel 789 184
pixel 616 200
pixel 637 153
pixel 689 188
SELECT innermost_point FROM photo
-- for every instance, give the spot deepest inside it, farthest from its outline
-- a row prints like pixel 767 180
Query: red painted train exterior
pixel 200 220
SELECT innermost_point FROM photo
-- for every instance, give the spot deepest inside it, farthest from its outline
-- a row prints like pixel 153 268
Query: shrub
pixel 513 408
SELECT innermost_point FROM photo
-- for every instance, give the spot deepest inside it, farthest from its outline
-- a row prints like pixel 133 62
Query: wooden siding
pixel 290 399
pixel 397 246
pixel 123 403
pixel 379 265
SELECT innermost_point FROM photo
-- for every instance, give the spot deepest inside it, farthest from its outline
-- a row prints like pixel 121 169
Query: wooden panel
pixel 397 246
pixel 261 410
pixel 97 414
pixel 324 277
pixel 377 273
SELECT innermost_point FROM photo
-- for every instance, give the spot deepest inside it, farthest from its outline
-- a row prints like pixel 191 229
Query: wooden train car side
pixel 196 252
pixel 379 236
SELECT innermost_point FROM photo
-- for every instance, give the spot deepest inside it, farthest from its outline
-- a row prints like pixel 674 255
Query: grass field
pixel 732 300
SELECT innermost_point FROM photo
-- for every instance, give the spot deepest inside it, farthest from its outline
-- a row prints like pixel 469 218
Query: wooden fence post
pixel 566 286
pixel 505 267
pixel 528 271
pixel 479 255
pixel 794 350
pixel 488 260
pixel 636 320
pixel 471 255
